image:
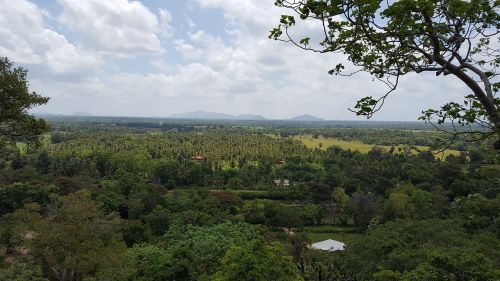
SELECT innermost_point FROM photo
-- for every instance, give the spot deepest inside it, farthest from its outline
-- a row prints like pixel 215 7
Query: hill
pixel 82 114
pixel 250 117
pixel 306 117
pixel 202 115
pixel 216 116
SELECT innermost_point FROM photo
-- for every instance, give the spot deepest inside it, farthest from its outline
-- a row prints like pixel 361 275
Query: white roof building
pixel 329 245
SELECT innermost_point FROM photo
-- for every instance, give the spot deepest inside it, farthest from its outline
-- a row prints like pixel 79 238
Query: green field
pixel 324 143
pixel 346 235
pixel 21 146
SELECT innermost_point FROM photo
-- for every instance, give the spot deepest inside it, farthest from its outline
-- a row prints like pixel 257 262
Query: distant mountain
pixel 224 116
pixel 215 115
pixel 250 117
pixel 81 114
pixel 307 117
pixel 202 115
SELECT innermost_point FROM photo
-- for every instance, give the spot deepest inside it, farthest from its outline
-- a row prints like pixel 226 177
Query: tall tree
pixel 257 261
pixel 16 124
pixel 389 39
pixel 74 240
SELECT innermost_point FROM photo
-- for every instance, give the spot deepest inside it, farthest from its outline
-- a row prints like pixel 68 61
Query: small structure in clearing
pixel 281 182
pixel 198 158
pixel 329 245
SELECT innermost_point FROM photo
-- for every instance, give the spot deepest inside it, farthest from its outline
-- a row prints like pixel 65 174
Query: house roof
pixel 197 157
pixel 329 245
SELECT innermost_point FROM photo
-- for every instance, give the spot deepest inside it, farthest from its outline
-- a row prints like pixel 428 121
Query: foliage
pixel 15 196
pixel 16 124
pixel 407 247
pixel 403 215
pixel 208 245
pixel 391 39
pixel 363 208
pixel 252 263
pixel 20 272
pixel 74 239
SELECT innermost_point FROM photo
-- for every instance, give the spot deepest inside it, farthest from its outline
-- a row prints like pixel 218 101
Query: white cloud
pixel 26 39
pixel 254 16
pixel 63 57
pixel 298 80
pixel 188 51
pixel 18 20
pixel 240 71
pixel 190 22
pixel 160 64
pixel 191 81
pixel 115 26
pixel 166 29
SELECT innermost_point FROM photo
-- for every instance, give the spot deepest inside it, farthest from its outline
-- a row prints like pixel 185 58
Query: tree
pixel 158 220
pixel 16 124
pixel 14 196
pixel 74 240
pixel 341 202
pixel 461 265
pixel 312 214
pixel 399 205
pixel 389 39
pixel 208 245
pixel 22 272
pixel 363 208
pixel 257 261
pixel 149 262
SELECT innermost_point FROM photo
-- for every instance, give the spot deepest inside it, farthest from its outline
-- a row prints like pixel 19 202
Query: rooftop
pixel 329 245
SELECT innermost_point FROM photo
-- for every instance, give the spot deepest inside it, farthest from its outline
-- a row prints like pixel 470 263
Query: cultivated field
pixel 324 143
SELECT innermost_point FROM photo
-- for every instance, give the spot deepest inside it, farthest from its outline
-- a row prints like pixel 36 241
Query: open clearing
pixel 339 233
pixel 324 143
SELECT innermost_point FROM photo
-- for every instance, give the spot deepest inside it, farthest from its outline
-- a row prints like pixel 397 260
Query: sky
pixel 161 57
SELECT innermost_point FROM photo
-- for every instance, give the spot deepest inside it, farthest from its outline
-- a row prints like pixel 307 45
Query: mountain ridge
pixel 208 115
pixel 306 117
pixel 216 115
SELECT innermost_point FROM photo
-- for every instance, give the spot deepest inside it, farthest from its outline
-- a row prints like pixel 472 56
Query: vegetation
pixel 16 124
pixel 108 199
pixel 324 143
pixel 140 200
pixel 151 199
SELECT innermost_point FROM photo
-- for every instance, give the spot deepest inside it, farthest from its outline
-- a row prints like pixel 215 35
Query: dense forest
pixel 146 199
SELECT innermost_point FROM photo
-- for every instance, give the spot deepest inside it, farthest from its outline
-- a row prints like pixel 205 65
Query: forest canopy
pixel 118 199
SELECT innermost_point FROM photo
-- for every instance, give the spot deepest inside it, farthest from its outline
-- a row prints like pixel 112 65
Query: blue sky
pixel 160 57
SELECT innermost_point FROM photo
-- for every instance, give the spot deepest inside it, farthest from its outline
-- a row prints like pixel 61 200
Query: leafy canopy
pixel 75 238
pixel 390 39
pixel 16 124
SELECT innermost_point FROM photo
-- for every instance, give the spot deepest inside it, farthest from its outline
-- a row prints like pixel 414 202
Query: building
pixel 329 245
pixel 198 158
pixel 281 182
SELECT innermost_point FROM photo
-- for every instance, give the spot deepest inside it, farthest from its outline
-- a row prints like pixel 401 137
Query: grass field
pixel 346 235
pixel 21 146
pixel 324 143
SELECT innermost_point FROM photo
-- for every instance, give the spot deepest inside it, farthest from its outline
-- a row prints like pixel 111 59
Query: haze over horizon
pixel 158 58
